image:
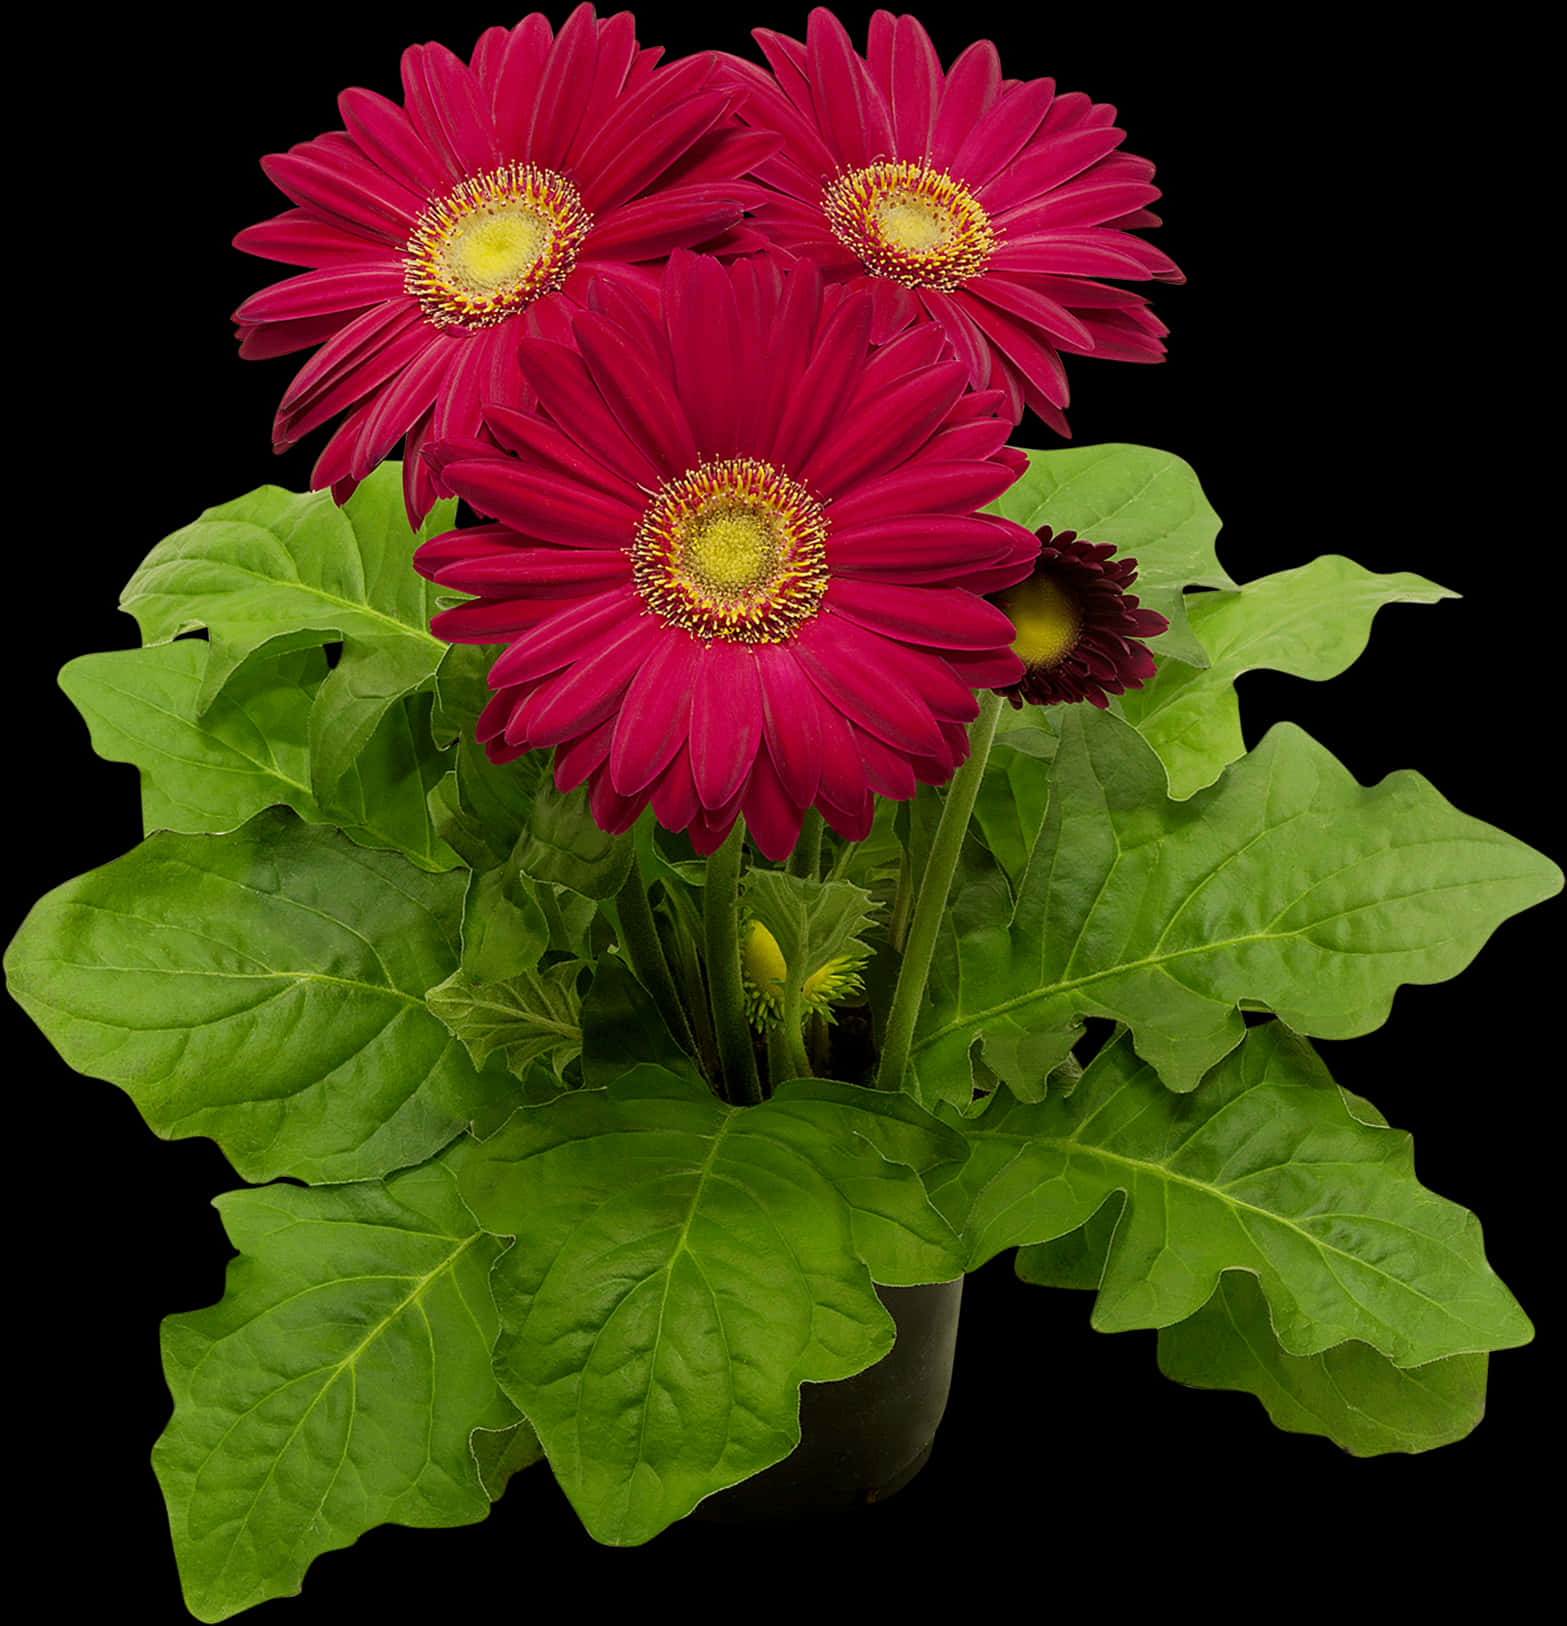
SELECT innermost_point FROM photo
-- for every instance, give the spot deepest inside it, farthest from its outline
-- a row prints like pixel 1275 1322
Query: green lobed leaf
pixel 277 572
pixel 1264 1169
pixel 383 797
pixel 1286 884
pixel 813 922
pixel 527 1016
pixel 202 771
pixel 266 988
pixel 1312 622
pixel 334 1387
pixel 272 562
pixel 1355 1397
pixel 563 846
pixel 1148 505
pixel 682 1266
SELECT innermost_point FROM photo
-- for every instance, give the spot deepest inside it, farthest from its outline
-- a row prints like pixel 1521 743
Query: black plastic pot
pixel 865 1438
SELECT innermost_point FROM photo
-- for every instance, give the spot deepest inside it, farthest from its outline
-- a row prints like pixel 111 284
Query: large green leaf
pixel 1264 1169
pixel 682 1266
pixel 1147 504
pixel 265 988
pixel 1286 884
pixel 1312 622
pixel 1356 1397
pixel 334 1387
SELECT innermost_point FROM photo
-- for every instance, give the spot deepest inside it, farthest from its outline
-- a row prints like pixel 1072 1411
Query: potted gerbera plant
pixel 688 835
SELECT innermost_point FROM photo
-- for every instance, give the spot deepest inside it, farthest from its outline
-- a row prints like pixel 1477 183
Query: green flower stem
pixel 806 858
pixel 721 927
pixel 935 884
pixel 639 940
pixel 791 1034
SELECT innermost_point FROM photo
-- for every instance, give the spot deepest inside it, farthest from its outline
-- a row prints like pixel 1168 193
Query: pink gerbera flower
pixel 736 558
pixel 990 207
pixel 442 229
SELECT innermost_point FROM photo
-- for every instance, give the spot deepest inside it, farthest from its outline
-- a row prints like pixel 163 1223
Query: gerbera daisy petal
pixel 999 136
pixel 513 72
pixel 791 723
pixel 772 816
pixel 361 199
pixel 641 400
pixel 726 723
pixel 1038 363
pixel 571 702
pixel 930 485
pixel 611 811
pixel 1029 305
pixel 557 105
pixel 298 238
pixel 972 85
pixel 447 106
pixel 384 131
pixel 915 87
pixel 942 617
pixel 840 660
pixel 857 123
pixel 675 800
pixel 569 395
pixel 655 715
pixel 561 640
pixel 882 435
pixel 549 506
pixel 333 290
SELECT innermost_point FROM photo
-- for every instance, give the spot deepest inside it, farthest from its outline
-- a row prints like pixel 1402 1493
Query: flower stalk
pixel 935 884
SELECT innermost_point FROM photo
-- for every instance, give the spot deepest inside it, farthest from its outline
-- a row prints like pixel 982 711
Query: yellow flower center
pixel 494 244
pixel 1047 618
pixel 732 549
pixel 911 223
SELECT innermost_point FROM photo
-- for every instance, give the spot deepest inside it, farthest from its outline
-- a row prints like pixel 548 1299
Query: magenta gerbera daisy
pixel 993 208
pixel 1078 631
pixel 441 229
pixel 735 555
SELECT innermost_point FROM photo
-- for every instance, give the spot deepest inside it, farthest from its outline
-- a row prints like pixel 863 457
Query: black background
pixel 1349 371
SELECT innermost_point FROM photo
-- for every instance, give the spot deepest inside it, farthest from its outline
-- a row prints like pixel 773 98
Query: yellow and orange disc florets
pixel 732 549
pixel 911 223
pixel 493 244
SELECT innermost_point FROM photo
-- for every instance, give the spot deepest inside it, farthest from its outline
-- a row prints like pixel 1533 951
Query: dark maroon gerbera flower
pixel 1078 631
pixel 736 560
pixel 442 229
pixel 993 208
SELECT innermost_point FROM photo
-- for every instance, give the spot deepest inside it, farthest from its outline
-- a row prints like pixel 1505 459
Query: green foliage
pixel 266 988
pixel 1265 1170
pixel 1286 884
pixel 1312 622
pixel 422 1001
pixel 1350 1393
pixel 681 1267
pixel 336 1385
